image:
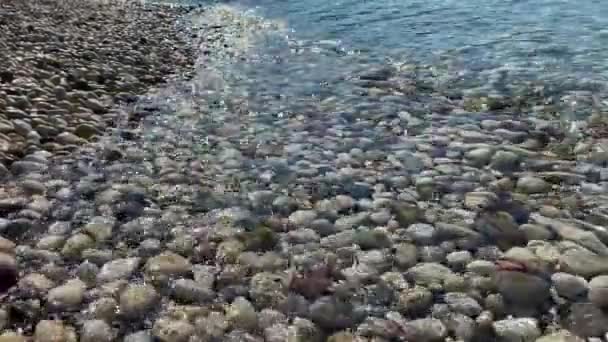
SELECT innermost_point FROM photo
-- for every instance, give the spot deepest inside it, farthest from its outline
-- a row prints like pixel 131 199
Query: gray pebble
pixel 569 286
pixel 96 331
pixel 517 330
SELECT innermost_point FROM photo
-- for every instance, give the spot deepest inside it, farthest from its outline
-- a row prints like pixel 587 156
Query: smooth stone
pixel 479 156
pixel 170 330
pixel 242 314
pixel 522 291
pixel 139 336
pixel 77 243
pixel 96 331
pixel 167 265
pixel 586 320
pixel 517 330
pixel 6 246
pixel 100 228
pixel 598 291
pixel 53 331
pixel 422 233
pixel 569 231
pixel 462 303
pixel 425 330
pixel 118 269
pixel 136 300
pixel 190 291
pixel 569 286
pixel 406 255
pixel 302 218
pixel 479 200
pixel 500 228
pixel 582 262
pixel 560 336
pixel 532 185
pixel 332 313
pixel 69 295
pixel 104 308
pixel 505 161
pixel 430 273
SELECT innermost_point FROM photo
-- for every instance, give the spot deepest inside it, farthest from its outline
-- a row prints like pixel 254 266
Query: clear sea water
pixel 472 45
pixel 558 38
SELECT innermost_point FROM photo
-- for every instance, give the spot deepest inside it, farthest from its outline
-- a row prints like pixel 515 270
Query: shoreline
pixel 330 222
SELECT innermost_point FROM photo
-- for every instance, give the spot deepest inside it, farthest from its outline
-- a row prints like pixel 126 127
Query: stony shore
pixel 65 64
pixel 477 225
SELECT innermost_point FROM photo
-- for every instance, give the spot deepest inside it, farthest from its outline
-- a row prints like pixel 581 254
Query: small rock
pixel 583 262
pixel 500 228
pixel 190 291
pixel 169 330
pixel 482 267
pixel 69 295
pixel 429 273
pixel 96 331
pixel 569 286
pixel 522 291
pixel 406 255
pixel 586 320
pixel 167 265
pixel 459 260
pixel 270 317
pixel 425 330
pixel 479 156
pixel 267 289
pixel 35 284
pixel 213 327
pixel 242 314
pixel 104 308
pixel 462 327
pixel 302 218
pixel 276 333
pixel 415 300
pixel 462 303
pixel 74 246
pixel 505 161
pixel 95 106
pixel 332 313
pixel 100 228
pixel 118 269
pixel 422 233
pixel 67 138
pixel 372 239
pixel 598 291
pixel 139 336
pixel 517 330
pixel 560 336
pixel 479 200
pixel 532 185
pixel 86 131
pixel 407 213
pixel 136 300
pixel 52 331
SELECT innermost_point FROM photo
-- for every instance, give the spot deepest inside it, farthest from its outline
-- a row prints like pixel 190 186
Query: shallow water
pixel 559 35
pixel 473 47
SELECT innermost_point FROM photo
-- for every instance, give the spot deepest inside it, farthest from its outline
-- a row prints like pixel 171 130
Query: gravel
pixel 143 200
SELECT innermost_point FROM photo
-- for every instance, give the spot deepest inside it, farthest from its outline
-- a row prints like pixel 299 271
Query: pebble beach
pixel 155 188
